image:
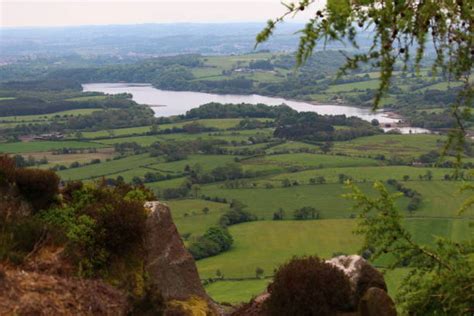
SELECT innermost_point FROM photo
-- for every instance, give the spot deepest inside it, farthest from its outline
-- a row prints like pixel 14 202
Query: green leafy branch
pixel 441 277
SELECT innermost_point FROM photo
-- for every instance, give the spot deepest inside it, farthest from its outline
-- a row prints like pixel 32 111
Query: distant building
pixel 50 136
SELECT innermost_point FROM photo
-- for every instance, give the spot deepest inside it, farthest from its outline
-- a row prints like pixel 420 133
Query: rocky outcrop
pixel 31 293
pixel 253 308
pixel 171 268
pixel 362 275
pixel 368 291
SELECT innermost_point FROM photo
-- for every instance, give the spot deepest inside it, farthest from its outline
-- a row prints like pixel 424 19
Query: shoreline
pixel 396 119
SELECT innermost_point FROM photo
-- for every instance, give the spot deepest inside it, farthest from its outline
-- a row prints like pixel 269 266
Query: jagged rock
pixel 170 267
pixel 31 293
pixel 376 302
pixel 361 274
pixel 253 308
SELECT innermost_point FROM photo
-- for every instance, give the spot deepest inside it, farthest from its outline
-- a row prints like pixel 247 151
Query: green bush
pixel 236 216
pixel 213 242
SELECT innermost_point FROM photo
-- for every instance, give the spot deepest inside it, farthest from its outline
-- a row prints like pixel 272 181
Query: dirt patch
pixel 102 154
pixel 30 293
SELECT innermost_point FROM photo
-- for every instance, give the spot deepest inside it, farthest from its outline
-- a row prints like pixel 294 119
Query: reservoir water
pixel 168 103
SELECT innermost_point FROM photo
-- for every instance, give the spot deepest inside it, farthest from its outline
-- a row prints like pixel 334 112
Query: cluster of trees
pixel 310 126
pixel 218 239
pixel 30 161
pixel 36 105
pixel 150 177
pixel 261 65
pixel 71 151
pixel 317 180
pixel 106 119
pixel 136 115
pixel 46 84
pixel 173 151
pixel 76 164
pixel 305 213
pixel 129 148
pixel 229 172
pixel 430 157
pixel 290 124
pixel 214 241
pixel 175 193
pixel 219 110
pixel 414 196
pixel 249 123
pixel 236 215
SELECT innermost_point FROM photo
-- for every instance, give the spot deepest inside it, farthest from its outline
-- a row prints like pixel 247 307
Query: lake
pixel 168 103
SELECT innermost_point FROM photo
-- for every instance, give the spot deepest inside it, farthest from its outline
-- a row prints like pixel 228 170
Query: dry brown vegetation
pixel 30 293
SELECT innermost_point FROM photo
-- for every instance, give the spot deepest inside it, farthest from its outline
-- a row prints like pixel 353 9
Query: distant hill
pixel 144 40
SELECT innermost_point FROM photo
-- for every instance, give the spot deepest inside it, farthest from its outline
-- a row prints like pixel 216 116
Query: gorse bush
pixel 308 286
pixel 100 222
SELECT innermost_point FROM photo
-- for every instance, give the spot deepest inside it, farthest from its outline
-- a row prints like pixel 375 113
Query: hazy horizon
pixel 60 13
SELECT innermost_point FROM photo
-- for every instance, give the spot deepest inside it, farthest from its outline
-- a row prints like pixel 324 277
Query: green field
pixel 236 291
pixel 106 168
pixel 238 136
pixel 363 174
pixel 304 160
pixel 440 198
pixel 45 117
pixel 206 162
pixel 362 85
pixel 221 124
pixel 267 244
pixel 327 199
pixel 172 183
pixel 189 218
pixel 405 146
pixel 37 146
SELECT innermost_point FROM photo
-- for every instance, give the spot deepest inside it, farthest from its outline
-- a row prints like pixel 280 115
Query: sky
pixel 20 13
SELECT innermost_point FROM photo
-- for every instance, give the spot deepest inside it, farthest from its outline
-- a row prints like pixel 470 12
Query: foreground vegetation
pixel 291 189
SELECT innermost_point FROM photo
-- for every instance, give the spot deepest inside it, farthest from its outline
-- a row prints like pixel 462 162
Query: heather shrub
pixel 101 223
pixel 39 187
pixel 7 169
pixel 123 226
pixel 19 238
pixel 308 286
